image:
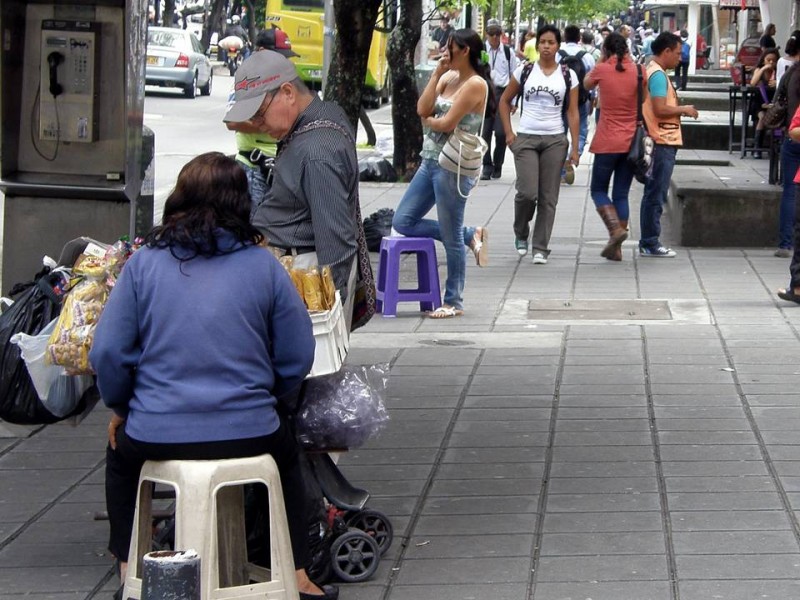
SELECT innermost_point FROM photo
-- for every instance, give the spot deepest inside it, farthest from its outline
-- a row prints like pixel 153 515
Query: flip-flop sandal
pixel 789 295
pixel 445 312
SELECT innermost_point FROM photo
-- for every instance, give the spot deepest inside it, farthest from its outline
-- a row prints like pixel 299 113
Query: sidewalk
pixel 531 454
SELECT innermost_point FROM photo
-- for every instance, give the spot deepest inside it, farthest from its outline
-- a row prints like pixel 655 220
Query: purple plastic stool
pixel 427 293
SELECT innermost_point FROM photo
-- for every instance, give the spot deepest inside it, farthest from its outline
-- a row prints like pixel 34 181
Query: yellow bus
pixel 303 22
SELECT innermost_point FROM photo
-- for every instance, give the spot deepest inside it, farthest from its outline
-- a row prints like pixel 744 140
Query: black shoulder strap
pixel 639 94
pixel 563 54
pixel 507 50
pixel 568 82
pixel 526 71
pixel 580 54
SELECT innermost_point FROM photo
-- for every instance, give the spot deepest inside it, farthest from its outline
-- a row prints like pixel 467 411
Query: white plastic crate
pixel 330 334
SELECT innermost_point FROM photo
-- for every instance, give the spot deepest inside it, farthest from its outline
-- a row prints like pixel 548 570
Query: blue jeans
pixel 256 184
pixel 606 165
pixel 583 129
pixel 434 186
pixel 790 162
pixel 655 195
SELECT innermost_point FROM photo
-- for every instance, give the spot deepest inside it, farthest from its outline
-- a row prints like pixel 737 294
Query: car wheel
pixel 191 90
pixel 206 89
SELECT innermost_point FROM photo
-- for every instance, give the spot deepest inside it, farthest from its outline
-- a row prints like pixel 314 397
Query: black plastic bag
pixel 35 305
pixel 374 168
pixel 376 226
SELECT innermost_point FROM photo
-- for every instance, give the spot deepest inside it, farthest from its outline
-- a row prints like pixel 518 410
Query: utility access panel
pixel 68 85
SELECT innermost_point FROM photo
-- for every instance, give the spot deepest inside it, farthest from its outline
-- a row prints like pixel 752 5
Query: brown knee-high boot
pixel 618 252
pixel 616 233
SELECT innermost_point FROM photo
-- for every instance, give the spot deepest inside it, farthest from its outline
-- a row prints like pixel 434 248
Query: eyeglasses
pixel 262 113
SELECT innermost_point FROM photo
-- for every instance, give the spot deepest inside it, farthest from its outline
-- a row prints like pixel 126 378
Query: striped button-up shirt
pixel 314 192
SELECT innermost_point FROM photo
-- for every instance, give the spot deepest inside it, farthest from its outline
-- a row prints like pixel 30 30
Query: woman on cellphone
pixel 458 94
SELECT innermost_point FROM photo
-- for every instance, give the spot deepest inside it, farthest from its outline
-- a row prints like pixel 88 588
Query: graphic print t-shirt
pixel 543 99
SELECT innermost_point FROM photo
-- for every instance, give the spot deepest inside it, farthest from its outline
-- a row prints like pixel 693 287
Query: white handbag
pixel 463 152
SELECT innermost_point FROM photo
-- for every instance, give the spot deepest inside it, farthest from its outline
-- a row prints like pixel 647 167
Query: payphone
pixel 68 89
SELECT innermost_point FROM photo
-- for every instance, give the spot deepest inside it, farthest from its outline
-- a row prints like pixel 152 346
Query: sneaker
pixel 784 253
pixel 658 252
pixel 569 174
pixel 521 246
pixel 539 258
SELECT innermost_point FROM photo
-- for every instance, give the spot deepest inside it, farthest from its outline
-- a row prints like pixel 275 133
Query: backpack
pixel 575 62
pixel 526 71
pixel 686 49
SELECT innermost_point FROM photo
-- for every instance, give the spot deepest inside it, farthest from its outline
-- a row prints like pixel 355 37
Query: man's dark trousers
pixel 493 161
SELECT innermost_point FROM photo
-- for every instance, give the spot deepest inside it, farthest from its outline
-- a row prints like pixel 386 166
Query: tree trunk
pixel 213 22
pixel 251 22
pixel 372 139
pixel 169 13
pixel 407 127
pixel 355 22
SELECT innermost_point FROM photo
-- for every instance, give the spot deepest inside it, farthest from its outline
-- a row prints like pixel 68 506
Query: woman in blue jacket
pixel 202 332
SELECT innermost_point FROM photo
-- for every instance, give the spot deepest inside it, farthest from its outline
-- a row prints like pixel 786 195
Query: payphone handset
pixel 69 81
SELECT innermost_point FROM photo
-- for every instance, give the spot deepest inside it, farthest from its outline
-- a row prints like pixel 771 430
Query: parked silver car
pixel 175 58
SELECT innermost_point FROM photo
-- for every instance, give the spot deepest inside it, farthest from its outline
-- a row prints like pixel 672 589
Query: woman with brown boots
pixel 616 77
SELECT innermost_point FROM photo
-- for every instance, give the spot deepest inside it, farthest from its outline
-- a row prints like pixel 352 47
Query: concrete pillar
pixel 766 16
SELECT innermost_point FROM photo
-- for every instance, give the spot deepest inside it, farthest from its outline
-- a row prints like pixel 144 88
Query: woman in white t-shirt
pixel 791 55
pixel 540 146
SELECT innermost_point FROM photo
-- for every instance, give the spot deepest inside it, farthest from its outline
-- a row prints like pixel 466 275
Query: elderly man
pixel 311 209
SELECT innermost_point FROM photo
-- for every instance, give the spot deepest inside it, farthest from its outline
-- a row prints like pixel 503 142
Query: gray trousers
pixel 538 160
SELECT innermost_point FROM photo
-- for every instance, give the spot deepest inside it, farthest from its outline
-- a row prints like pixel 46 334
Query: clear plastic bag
pixel 345 409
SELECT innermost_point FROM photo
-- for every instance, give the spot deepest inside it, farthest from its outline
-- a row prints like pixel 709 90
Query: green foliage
pixel 574 11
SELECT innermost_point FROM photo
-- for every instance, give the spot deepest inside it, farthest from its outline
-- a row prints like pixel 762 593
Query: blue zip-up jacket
pixel 198 351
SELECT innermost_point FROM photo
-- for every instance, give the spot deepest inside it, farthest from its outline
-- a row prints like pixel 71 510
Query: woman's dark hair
pixel 763 58
pixel 468 38
pixel 615 45
pixel 548 29
pixel 793 44
pixel 211 193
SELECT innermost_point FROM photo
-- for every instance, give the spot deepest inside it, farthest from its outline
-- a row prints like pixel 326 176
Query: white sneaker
pixel 539 258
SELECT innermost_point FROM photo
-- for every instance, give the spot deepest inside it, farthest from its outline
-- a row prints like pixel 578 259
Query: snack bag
pixel 71 340
pixel 328 287
pixel 297 280
pixel 312 290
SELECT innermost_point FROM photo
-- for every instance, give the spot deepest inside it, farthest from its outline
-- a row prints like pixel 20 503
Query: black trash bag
pixel 376 226
pixel 375 168
pixel 35 305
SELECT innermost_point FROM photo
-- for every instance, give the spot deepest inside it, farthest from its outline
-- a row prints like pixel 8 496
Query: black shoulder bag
pixel 640 156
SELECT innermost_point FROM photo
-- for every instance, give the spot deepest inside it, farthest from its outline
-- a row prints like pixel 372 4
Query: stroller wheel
pixel 355 556
pixel 375 524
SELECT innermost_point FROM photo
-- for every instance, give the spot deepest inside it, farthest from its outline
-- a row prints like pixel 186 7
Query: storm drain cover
pixel 599 310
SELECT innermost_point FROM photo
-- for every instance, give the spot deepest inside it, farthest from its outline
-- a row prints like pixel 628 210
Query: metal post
pixel 171 575
pixel 329 30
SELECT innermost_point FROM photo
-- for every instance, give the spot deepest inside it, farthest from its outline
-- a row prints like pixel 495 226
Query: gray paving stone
pixel 65 532
pixel 409 427
pixel 602 389
pixel 694 401
pixel 602 453
pixel 54 552
pixel 601 425
pixel 602 485
pixel 699 389
pixel 741 567
pixel 504 414
pixel 720 484
pixel 49 460
pixel 584 375
pixel 717 438
pixel 19 512
pixel 729 520
pixel 390 439
pixel 779 437
pixel 439 378
pixel 603 567
pixel 724 501
pixel 699 468
pixel 367 473
pixel 764 400
pixel 616 590
pixel 784 452
pixel 411 487
pixel 470 546
pixel 602 438
pixel 710 453
pixel 506 387
pixel 704 425
pixel 489 470
pixel 434 357
pixel 602 502
pixel 480 505
pixel 469 525
pixel 421 414
pixel 485 487
pixel 46 596
pixel 501 427
pixel 495 591
pixel 379 456
pixel 492 455
pixel 597 469
pixel 429 371
pixel 43 445
pixel 87 492
pixel 691 412
pixel 632 361
pixel 464 570
pixel 422 401
pixel 45 579
pixel 362 591
pixel 787 468
pixel 591 413
pixel 505 440
pixel 499 401
pixel 740 590
pixel 577 544
pixel 745 542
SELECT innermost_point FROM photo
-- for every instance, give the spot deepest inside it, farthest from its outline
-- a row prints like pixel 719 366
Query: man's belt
pixel 296 251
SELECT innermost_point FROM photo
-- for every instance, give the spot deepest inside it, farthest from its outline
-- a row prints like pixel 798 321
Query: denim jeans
pixel 794 267
pixel 434 186
pixel 790 162
pixel 583 128
pixel 655 195
pixel 606 165
pixel 256 184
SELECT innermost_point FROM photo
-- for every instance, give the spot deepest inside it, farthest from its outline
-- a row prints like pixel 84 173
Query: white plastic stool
pixel 209 518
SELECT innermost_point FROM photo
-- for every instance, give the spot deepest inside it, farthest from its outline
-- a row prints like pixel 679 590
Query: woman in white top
pixel 549 101
pixel 792 53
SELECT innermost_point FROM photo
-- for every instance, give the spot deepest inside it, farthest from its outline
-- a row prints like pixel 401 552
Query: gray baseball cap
pixel 261 73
